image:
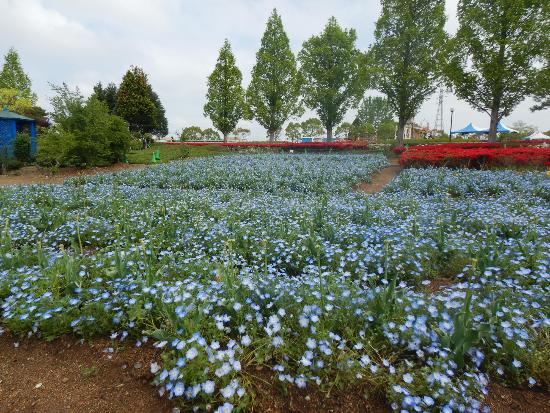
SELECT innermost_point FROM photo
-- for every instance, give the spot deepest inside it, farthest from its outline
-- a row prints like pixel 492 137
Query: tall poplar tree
pixel 225 95
pixel 331 67
pixel 273 95
pixel 14 77
pixel 404 59
pixel 493 54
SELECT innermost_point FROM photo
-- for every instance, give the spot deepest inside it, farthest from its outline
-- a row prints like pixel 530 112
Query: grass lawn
pixel 174 152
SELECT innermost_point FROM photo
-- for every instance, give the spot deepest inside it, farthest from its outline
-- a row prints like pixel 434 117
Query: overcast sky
pixel 176 42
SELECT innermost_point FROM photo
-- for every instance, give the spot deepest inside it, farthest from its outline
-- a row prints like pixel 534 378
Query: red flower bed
pixel 478 155
pixel 340 145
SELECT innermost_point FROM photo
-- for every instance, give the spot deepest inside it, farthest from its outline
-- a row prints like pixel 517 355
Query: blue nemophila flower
pixel 278 259
pixel 179 388
pixel 191 353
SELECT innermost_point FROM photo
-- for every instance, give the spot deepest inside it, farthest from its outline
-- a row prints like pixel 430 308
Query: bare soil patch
pixel 382 178
pixel 36 175
pixel 504 400
pixel 439 284
pixel 67 375
pixel 272 398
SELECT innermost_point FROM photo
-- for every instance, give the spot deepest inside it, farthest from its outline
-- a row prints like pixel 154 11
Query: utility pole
pixel 451 128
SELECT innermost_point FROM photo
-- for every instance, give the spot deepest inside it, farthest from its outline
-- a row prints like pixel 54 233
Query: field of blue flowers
pixel 233 262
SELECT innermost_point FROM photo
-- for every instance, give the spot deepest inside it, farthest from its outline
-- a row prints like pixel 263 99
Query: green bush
pixel 86 134
pixel 56 148
pixel 22 147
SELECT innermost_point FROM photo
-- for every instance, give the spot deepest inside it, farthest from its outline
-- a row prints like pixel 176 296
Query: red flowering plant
pixel 339 145
pixel 478 155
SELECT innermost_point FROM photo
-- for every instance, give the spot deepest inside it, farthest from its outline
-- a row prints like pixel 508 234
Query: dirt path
pixel 382 178
pixel 36 175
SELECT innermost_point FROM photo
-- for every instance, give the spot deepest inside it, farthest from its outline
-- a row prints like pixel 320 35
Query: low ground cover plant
pixel 225 267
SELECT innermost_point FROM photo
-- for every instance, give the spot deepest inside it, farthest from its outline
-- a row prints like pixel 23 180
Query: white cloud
pixel 176 42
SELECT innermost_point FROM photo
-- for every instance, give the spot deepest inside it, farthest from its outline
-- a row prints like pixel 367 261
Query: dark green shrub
pixel 86 134
pixel 22 147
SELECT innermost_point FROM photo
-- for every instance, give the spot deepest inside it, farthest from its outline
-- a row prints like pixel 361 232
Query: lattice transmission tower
pixel 438 126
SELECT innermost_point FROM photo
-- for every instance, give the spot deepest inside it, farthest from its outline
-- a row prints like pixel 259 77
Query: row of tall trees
pixel 330 78
pixel 497 58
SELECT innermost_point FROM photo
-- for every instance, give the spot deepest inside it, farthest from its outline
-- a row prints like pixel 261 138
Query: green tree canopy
pixel 11 99
pixel 85 133
pixel 343 130
pixel 374 110
pixel 13 76
pixel 210 134
pixel 191 133
pixel 404 59
pixel 161 128
pixel 542 81
pixel 273 95
pixel 493 55
pixel 225 95
pixel 108 95
pixel 293 131
pixel 386 130
pixel 523 128
pixel 241 133
pixel 135 103
pixel 312 127
pixel 331 69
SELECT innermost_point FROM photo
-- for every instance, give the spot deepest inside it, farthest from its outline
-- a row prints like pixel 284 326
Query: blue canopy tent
pixel 503 129
pixel 10 124
pixel 468 129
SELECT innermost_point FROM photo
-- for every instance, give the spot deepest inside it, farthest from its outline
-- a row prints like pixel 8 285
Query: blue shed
pixel 10 124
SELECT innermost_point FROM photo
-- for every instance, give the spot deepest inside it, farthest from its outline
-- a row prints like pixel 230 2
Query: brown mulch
pixel 382 178
pixel 69 376
pixel 36 175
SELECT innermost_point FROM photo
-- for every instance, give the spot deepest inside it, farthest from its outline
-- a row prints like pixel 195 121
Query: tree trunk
pixel 225 135
pixel 329 133
pixel 401 130
pixel 271 135
pixel 493 125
